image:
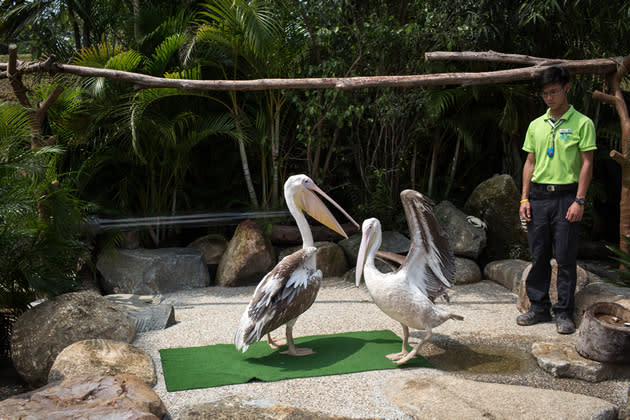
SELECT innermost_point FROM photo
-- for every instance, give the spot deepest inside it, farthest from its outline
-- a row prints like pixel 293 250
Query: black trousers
pixel 551 234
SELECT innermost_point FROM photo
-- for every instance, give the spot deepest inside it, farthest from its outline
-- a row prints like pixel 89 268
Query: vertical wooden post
pixel 615 98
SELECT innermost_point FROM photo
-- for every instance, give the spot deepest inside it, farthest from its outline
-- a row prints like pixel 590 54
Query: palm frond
pixel 164 54
pixel 98 55
pixel 126 60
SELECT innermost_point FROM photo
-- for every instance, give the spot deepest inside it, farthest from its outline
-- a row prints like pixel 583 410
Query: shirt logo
pixel 564 133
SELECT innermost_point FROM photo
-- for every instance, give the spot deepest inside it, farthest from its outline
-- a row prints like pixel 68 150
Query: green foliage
pixel 382 205
pixel 157 151
pixel 40 219
pixel 623 274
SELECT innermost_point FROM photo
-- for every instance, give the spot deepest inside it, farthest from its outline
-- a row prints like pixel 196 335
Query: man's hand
pixel 526 211
pixel 575 212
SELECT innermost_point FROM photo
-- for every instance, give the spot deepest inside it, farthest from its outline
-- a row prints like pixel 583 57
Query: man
pixel 556 176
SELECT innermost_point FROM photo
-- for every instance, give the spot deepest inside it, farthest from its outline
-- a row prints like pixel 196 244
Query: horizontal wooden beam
pixel 536 66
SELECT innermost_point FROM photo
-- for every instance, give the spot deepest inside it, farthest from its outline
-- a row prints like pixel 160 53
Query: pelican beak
pixel 366 238
pixel 308 201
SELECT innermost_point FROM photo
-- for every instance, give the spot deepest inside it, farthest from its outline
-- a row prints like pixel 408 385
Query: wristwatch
pixel 579 200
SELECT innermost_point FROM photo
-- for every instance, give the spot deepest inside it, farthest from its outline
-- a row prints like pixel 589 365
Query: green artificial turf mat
pixel 221 364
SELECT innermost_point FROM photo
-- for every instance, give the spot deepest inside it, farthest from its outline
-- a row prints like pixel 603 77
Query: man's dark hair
pixel 552 75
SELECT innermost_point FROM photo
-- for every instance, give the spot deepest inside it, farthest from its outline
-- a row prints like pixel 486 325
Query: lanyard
pixel 554 127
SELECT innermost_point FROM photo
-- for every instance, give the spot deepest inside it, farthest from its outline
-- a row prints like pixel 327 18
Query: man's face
pixel 555 95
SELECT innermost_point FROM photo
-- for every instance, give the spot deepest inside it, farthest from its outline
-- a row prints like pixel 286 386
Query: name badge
pixel 564 133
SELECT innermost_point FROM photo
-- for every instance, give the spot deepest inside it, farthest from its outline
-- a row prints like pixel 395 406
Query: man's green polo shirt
pixel 573 133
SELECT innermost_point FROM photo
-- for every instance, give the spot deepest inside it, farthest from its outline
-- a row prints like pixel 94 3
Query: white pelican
pixel 407 294
pixel 291 287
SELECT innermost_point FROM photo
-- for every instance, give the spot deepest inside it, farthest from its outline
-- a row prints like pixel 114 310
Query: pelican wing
pixel 284 293
pixel 430 263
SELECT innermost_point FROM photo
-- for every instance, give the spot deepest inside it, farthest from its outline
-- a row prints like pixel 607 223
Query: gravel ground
pixel 486 346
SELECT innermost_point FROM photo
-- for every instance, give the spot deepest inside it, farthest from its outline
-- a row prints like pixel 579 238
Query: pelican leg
pixel 274 344
pixel 415 350
pixel 405 344
pixel 294 351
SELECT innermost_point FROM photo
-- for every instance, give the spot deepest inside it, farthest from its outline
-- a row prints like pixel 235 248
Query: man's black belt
pixel 546 190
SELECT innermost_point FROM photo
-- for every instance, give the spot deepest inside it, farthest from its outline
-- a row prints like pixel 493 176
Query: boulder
pixel 466 239
pixel 507 273
pixel 152 271
pixel 87 397
pixel 583 278
pixel 212 248
pixel 599 292
pixel 248 257
pixel 449 397
pixel 563 361
pixel 496 201
pixel 130 240
pixel 100 357
pixel 466 271
pixel 392 242
pixel 146 311
pixel 624 410
pixel 41 333
pixel 330 258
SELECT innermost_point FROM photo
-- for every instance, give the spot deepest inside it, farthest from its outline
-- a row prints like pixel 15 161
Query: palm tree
pixel 240 36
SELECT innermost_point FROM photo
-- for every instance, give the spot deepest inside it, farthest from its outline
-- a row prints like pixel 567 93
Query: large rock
pixel 248 257
pixel 624 410
pixel 102 357
pixel 449 397
pixel 599 292
pixel 41 333
pixel 466 239
pixel 211 246
pixel 146 311
pixel 87 397
pixel 507 273
pixel 392 242
pixel 466 271
pixel 583 278
pixel 563 361
pixel 331 259
pixel 152 271
pixel 496 201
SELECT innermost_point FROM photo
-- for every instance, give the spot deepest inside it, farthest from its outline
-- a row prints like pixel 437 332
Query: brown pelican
pixel 407 294
pixel 290 288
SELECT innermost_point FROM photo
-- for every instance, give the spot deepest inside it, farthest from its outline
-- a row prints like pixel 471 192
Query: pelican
pixel 407 295
pixel 291 287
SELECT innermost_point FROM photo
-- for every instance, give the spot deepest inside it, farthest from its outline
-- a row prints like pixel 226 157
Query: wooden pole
pixel 616 99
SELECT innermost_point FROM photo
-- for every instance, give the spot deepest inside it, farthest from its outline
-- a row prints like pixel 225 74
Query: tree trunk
pixel 451 178
pixel 75 26
pixel 434 155
pixel 136 19
pixel 275 159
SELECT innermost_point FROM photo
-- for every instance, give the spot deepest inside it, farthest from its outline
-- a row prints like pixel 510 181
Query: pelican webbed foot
pixel 298 351
pixel 294 351
pixel 406 358
pixel 397 356
pixel 275 344
pixel 415 350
